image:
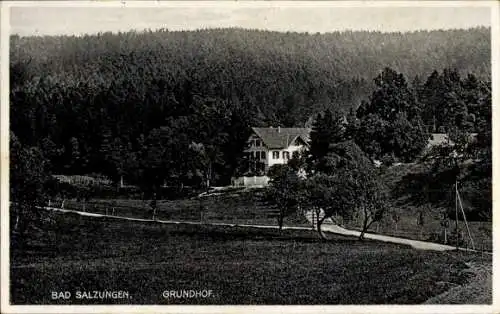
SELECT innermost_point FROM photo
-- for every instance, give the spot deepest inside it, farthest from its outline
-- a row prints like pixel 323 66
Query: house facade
pixel 274 145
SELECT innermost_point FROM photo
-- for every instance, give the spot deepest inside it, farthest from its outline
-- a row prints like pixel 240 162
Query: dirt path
pixel 419 245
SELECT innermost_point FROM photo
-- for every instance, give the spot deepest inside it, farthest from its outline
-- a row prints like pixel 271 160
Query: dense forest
pixel 176 107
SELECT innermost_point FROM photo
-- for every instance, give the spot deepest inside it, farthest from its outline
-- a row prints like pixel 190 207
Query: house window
pixel 276 154
pixel 263 155
pixel 256 143
pixel 286 155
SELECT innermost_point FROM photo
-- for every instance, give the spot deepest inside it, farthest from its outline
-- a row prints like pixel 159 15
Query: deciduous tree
pixel 348 184
pixel 27 193
pixel 285 191
pixel 390 124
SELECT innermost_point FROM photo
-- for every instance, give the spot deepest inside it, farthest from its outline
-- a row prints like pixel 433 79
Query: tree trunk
pixel 209 175
pixel 17 220
pixel 318 211
pixel 280 221
pixel 362 234
pixel 366 225
pixel 320 231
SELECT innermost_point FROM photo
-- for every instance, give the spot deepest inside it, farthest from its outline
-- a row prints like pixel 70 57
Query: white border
pixel 4 149
pixel 250 3
pixel 4 163
pixel 495 79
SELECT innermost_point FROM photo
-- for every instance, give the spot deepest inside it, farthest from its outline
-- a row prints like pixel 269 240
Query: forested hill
pixel 90 101
pixel 346 54
pixel 263 67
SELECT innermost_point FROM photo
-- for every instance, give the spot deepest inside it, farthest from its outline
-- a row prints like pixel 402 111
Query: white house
pixel 270 146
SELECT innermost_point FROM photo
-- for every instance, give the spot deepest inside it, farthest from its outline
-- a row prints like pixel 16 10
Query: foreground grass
pixel 477 291
pixel 241 266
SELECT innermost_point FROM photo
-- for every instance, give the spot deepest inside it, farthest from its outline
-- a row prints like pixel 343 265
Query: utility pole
pixel 465 220
pixel 456 212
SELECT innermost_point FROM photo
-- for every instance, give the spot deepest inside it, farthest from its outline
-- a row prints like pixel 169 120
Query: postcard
pixel 248 156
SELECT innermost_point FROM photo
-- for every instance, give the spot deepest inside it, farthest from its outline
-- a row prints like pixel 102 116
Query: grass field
pixel 431 229
pixel 248 208
pixel 240 265
pixel 236 207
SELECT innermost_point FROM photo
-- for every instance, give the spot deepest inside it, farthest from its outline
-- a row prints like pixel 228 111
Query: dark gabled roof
pixel 274 138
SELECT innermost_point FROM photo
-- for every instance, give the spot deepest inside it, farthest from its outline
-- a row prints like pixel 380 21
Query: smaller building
pixel 439 139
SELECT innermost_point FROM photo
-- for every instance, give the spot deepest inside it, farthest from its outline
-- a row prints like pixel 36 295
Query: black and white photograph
pixel 247 153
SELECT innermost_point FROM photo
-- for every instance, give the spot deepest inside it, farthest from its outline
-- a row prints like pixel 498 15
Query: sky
pixel 43 20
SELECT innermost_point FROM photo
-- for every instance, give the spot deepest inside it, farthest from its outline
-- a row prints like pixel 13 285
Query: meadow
pixel 248 207
pixel 241 207
pixel 240 265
